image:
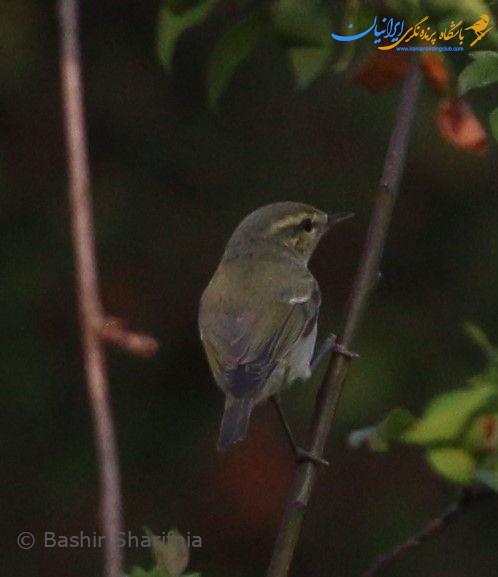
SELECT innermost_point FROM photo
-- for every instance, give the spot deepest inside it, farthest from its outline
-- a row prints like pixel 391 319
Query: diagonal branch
pixel 467 499
pixel 366 276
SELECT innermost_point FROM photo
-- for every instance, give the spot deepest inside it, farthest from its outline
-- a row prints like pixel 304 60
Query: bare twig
pixel 366 276
pixel 467 499
pixel 114 332
pixel 90 307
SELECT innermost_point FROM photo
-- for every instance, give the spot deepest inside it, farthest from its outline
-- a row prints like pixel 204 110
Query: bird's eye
pixel 307 224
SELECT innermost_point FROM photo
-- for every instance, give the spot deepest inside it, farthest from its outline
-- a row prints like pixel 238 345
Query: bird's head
pixel 289 226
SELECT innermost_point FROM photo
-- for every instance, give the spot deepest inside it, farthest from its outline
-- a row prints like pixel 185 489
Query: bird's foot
pixel 342 350
pixel 303 455
pixel 330 344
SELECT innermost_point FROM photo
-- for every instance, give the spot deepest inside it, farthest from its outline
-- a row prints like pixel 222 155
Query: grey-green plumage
pixel 258 315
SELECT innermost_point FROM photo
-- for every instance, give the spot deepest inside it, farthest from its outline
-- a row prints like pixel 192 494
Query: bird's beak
pixel 333 219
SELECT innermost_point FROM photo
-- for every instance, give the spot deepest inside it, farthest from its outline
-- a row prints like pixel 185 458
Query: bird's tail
pixel 235 422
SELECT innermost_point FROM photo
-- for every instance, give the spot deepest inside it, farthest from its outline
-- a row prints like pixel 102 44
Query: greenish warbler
pixel 258 315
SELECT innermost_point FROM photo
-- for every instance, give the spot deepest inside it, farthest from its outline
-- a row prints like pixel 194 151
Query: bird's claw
pixel 342 350
pixel 303 455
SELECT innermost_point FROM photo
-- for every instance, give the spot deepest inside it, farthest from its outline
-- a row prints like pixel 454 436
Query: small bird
pixel 479 28
pixel 258 315
pixel 480 25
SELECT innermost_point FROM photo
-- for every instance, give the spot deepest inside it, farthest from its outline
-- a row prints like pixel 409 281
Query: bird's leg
pixel 327 346
pixel 301 454
pixel 330 344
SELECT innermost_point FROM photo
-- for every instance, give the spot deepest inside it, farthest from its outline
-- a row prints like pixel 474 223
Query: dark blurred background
pixel 171 180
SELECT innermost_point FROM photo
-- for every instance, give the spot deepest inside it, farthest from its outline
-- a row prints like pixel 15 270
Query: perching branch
pixel 366 276
pixel 90 307
pixel 89 303
pixel 467 499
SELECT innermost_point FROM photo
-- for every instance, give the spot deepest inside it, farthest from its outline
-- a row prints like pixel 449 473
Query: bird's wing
pixel 245 342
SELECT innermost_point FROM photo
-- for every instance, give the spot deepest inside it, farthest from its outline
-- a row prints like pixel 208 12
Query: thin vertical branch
pixel 90 308
pixel 366 276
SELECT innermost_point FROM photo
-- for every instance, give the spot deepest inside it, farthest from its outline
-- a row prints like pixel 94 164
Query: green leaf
pixel 304 27
pixel 487 477
pixel 171 554
pixel 390 429
pixel 301 22
pixel 480 338
pixel 395 424
pixel 468 10
pixel 234 46
pixel 308 63
pixel 493 121
pixel 490 376
pixel 446 416
pixel 482 72
pixel 453 464
pixel 172 24
pixel 351 13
